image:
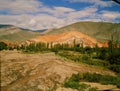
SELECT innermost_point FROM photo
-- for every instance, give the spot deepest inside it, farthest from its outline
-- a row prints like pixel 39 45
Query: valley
pixel 42 71
pixel 76 57
pixel 59 45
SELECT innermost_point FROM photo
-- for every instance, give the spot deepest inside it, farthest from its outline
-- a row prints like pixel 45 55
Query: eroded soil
pixel 38 72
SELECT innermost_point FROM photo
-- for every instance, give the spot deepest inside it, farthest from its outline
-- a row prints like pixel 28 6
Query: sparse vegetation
pixel 3 46
pixel 74 80
pixel 93 89
pixel 74 84
pixel 106 57
pixel 92 56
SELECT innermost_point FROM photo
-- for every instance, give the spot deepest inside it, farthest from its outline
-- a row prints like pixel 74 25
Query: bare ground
pixel 38 72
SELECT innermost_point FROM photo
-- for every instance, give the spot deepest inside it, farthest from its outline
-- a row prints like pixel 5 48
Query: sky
pixel 47 14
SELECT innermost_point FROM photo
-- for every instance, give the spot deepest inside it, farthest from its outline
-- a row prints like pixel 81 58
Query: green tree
pixel 3 46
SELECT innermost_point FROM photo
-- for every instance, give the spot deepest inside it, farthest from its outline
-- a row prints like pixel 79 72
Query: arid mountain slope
pixel 99 30
pixel 15 34
pixel 38 72
pixel 68 37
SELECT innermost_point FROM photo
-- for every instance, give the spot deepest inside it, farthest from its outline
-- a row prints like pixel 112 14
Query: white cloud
pixel 95 2
pixel 53 20
pixel 110 16
pixel 30 6
pixel 21 13
pixel 63 9
pixel 46 17
pixel 41 21
pixel 20 6
pixel 86 12
pixel 56 11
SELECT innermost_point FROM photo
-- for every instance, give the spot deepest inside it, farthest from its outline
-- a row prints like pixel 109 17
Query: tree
pixel 114 52
pixel 3 46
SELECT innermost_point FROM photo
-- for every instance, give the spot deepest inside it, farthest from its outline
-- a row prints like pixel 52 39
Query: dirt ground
pixel 38 72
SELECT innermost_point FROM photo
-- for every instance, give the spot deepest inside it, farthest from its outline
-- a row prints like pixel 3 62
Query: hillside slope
pixel 98 30
pixel 15 34
pixel 69 38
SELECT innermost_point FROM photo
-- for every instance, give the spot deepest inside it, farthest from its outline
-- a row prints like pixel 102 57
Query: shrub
pixel 74 80
pixel 82 87
pixel 93 89
pixel 85 57
pixel 91 77
pixel 52 89
pixel 3 46
pixel 75 77
pixel 75 85
pixel 118 81
pixel 54 50
pixel 115 68
pixel 71 84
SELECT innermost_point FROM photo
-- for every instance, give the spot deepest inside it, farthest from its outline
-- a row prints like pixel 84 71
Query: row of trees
pixel 110 53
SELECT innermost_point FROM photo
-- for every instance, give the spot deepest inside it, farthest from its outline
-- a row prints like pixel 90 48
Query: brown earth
pixel 38 72
pixel 68 37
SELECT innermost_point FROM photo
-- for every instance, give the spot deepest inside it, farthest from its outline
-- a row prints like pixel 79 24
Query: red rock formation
pixel 67 37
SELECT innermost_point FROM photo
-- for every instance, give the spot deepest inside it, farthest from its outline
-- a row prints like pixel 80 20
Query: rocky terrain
pixel 40 71
pixel 68 37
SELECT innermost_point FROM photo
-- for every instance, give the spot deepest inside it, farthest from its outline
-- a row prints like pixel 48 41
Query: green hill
pixel 99 30
pixel 16 34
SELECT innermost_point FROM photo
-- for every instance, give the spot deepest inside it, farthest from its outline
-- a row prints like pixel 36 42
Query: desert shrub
pixel 118 81
pixel 115 68
pixel 91 77
pixel 103 79
pixel 85 57
pixel 3 46
pixel 83 86
pixel 114 58
pixel 76 77
pixel 73 81
pixel 96 62
pixel 75 85
pixel 54 50
pixel 112 62
pixel 93 89
pixel 52 89
pixel 102 53
pixel 99 62
pixel 71 84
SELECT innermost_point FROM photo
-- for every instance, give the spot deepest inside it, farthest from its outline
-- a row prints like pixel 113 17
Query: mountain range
pixel 99 30
pixel 16 34
pixel 88 33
